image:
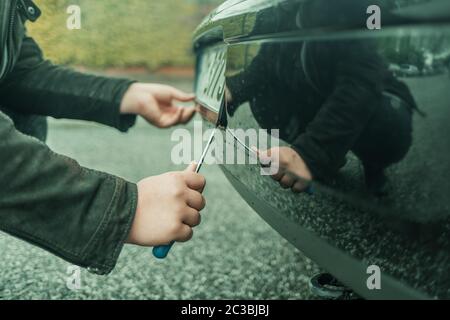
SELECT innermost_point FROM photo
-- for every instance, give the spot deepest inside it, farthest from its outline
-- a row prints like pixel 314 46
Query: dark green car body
pixel 343 227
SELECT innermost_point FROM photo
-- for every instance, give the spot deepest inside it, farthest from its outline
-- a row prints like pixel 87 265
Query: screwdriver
pixel 161 252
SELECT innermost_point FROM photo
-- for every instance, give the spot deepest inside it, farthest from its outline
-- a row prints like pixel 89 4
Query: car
pixel 408 70
pixel 266 64
pixel 394 68
pixel 404 70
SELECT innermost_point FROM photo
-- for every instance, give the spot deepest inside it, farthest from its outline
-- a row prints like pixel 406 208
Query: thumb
pixel 192 167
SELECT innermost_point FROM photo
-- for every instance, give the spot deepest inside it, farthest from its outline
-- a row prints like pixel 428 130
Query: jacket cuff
pixel 122 122
pixel 104 250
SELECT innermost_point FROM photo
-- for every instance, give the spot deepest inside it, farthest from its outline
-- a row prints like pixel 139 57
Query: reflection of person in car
pixel 327 98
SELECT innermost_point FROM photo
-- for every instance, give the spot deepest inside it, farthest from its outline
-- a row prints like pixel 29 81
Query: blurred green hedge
pixel 117 33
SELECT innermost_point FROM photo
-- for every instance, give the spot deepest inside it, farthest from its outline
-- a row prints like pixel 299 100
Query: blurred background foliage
pixel 117 33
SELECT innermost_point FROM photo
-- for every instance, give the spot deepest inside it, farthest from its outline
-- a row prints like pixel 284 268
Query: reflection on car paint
pixel 369 112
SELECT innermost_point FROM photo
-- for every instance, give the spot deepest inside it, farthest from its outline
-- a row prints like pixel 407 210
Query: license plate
pixel 210 84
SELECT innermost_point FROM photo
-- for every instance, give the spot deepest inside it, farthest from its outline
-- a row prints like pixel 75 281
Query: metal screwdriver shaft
pixel 161 252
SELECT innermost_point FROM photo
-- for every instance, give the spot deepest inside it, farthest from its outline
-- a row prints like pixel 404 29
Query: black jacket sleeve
pixel 81 215
pixel 355 90
pixel 36 86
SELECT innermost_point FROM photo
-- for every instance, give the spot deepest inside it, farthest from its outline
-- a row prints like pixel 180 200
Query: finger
pixel 186 115
pixel 262 153
pixel 195 200
pixel 169 119
pixel 194 180
pixel 177 115
pixel 182 96
pixel 287 181
pixel 192 218
pixel 184 234
pixel 279 175
pixel 299 187
pixel 265 157
pixel 191 168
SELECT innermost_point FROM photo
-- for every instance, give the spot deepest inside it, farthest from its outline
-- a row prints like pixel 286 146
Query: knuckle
pixel 189 234
pixel 176 229
pixel 202 179
pixel 278 176
pixel 199 220
pixel 196 219
pixel 187 174
pixel 203 203
pixel 283 161
pixel 180 212
pixel 284 185
pixel 298 187
pixel 198 197
pixel 178 190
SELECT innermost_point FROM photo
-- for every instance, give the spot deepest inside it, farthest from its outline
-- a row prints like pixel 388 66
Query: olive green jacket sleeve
pixel 36 86
pixel 49 200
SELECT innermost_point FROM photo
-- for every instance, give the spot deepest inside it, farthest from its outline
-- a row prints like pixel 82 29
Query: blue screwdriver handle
pixel 161 252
